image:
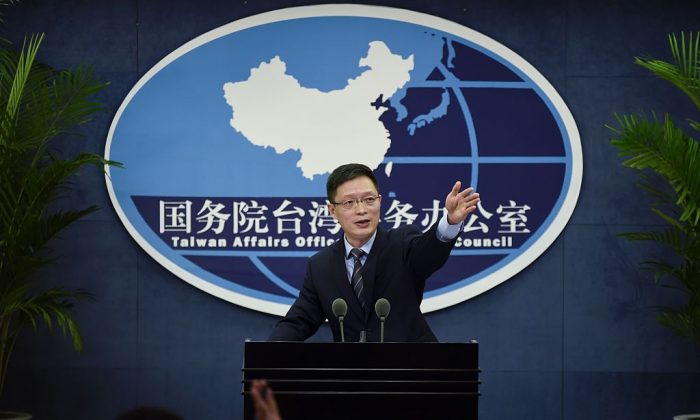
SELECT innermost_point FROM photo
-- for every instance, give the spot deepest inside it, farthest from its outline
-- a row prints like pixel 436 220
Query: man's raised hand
pixel 460 203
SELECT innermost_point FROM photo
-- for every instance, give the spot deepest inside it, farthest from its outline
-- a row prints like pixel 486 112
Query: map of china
pixel 272 109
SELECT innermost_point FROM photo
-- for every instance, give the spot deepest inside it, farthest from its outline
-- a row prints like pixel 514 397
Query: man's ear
pixel 331 210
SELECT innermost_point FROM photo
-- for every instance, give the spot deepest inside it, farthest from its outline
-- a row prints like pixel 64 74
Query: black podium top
pixel 366 380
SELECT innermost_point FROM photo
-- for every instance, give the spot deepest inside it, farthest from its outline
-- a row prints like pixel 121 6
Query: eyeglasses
pixel 367 202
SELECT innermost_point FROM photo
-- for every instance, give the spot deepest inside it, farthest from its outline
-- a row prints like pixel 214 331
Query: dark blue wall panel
pixel 573 336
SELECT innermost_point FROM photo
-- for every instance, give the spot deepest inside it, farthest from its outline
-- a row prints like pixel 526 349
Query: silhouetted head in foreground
pixel 149 413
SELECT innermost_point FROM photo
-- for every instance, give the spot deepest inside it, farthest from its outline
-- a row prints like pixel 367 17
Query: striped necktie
pixel 356 281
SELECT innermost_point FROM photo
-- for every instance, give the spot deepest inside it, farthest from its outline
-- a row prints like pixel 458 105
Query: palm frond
pixel 684 71
pixel 685 322
pixel 26 196
pixel 56 304
pixel 675 238
pixel 68 98
pixel 694 125
pixel 667 150
pixel 24 67
pixel 4 3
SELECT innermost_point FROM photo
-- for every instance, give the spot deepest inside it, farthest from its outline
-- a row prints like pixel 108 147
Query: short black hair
pixel 345 173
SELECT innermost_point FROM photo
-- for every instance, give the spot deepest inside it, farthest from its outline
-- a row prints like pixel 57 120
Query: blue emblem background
pixel 501 133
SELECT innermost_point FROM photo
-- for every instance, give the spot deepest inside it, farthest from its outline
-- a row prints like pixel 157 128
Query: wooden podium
pixel 334 381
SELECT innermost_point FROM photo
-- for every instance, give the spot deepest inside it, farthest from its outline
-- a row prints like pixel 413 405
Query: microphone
pixel 340 308
pixel 382 308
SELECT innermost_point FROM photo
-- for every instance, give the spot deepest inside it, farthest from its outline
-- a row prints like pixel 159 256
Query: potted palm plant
pixel 668 160
pixel 38 106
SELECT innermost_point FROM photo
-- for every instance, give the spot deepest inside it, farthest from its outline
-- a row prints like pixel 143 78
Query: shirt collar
pixel 366 247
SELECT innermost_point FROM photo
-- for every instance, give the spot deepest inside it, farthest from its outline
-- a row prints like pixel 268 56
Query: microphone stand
pixel 381 334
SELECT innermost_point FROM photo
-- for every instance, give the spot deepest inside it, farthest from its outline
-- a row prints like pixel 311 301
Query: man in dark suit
pixel 372 263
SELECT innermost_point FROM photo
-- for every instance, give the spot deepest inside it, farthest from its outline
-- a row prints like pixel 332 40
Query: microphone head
pixel 339 307
pixel 382 307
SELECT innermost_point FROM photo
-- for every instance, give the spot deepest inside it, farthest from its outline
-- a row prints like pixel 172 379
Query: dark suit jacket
pixel 399 263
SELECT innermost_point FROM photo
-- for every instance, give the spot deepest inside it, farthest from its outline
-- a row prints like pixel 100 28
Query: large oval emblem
pixel 228 141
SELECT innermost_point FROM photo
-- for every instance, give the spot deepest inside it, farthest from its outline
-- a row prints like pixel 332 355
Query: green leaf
pixel 684 71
